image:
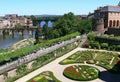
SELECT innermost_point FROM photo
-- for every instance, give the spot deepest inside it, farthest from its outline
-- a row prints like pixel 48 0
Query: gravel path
pixel 57 69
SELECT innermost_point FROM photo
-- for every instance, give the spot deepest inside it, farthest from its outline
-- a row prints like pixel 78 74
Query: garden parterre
pixel 45 76
pixel 81 72
pixel 104 59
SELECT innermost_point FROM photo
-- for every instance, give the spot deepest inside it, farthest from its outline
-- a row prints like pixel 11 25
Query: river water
pixel 7 40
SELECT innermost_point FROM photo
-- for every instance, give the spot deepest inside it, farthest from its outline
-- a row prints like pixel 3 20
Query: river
pixel 8 40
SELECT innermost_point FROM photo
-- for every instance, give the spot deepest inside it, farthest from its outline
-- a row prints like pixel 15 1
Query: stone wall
pixel 29 58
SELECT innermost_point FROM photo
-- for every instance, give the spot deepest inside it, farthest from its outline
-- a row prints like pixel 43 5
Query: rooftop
pixel 109 8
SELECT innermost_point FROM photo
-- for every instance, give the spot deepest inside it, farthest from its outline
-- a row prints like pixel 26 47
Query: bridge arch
pixel 49 23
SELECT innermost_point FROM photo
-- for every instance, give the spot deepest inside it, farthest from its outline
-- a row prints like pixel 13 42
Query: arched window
pixel 110 23
pixel 117 22
pixel 114 23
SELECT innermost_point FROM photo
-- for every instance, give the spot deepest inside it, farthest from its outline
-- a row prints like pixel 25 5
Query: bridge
pixel 21 31
pixel 38 20
pixel 51 18
pixel 46 19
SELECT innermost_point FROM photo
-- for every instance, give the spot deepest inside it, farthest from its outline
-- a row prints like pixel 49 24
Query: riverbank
pixel 18 45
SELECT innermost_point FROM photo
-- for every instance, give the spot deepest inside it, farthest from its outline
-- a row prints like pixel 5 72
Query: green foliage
pixel 104 45
pixel 118 47
pixel 81 72
pixel 21 69
pixel 85 26
pixel 18 26
pixel 67 24
pixel 103 42
pixel 34 20
pixel 30 49
pixel 42 78
pixel 94 44
pixel 102 59
pixel 46 32
pixel 91 36
pixel 40 61
pixel 37 36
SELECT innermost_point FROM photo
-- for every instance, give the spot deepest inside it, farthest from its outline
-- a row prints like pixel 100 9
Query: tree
pixel 85 26
pixel 46 32
pixel 37 35
pixel 67 24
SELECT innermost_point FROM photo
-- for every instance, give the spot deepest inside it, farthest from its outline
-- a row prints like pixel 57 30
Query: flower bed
pixel 106 60
pixel 46 76
pixel 81 72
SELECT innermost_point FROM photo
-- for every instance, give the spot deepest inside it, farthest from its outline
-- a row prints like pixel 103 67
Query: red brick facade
pixel 106 17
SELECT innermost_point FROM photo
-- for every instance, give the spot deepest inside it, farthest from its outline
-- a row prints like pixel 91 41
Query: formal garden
pixel 107 60
pixel 81 72
pixel 43 60
pixel 45 76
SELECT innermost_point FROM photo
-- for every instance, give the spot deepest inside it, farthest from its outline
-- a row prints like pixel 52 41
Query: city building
pixel 10 20
pixel 106 17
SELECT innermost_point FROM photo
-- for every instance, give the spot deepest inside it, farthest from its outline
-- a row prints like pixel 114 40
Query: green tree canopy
pixel 46 32
pixel 85 26
pixel 67 24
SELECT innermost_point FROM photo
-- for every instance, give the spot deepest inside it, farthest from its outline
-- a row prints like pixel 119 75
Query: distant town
pixel 10 20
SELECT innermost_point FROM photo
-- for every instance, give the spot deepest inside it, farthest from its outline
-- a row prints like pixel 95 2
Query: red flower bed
pixel 81 72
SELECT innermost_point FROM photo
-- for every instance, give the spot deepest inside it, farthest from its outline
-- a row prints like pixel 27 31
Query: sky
pixel 51 7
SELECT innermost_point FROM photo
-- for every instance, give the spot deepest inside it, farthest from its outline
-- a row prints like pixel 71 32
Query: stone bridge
pixel 21 31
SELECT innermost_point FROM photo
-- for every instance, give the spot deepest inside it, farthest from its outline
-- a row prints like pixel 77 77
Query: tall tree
pixel 46 32
pixel 37 35
pixel 65 25
pixel 85 26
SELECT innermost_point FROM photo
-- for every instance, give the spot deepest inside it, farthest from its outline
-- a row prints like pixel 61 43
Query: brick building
pixel 106 17
pixel 9 21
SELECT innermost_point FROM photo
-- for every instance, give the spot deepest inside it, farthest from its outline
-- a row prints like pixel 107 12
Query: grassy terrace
pixel 30 49
pixel 104 59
